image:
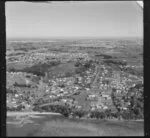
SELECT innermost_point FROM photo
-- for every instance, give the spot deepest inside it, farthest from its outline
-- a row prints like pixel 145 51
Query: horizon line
pixel 69 37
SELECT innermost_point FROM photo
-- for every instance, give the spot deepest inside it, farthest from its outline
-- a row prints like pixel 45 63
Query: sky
pixel 73 19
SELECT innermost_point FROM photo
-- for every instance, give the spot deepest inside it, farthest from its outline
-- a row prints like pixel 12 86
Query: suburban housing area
pixel 86 78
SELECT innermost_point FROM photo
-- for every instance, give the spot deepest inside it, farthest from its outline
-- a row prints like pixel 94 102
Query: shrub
pixel 78 113
pixel 97 114
pixel 114 114
pixel 114 62
pixel 77 64
pixel 108 113
pixel 68 74
pixel 126 115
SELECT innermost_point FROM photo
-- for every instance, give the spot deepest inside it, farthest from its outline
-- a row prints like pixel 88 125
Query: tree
pixel 79 113
pixel 108 113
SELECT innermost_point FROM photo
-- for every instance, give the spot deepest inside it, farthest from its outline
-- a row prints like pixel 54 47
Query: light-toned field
pixel 53 125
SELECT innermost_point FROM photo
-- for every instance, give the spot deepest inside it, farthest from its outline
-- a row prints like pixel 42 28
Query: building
pixel 116 76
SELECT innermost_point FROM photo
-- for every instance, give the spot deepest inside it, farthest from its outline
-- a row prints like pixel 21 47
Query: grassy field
pixel 53 125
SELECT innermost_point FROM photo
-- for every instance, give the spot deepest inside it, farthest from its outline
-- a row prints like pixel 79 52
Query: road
pixel 94 84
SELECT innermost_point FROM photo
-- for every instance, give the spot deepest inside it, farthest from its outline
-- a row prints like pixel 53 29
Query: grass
pixel 81 100
pixel 63 68
pixel 53 125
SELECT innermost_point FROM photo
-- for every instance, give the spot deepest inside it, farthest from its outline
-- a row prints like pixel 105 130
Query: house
pixel 91 96
pixel 78 106
pixel 99 106
pixel 16 95
pixel 64 100
pixel 87 89
pixel 52 96
pixel 47 90
pixel 105 107
pixel 124 108
pixel 93 108
pixel 105 96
